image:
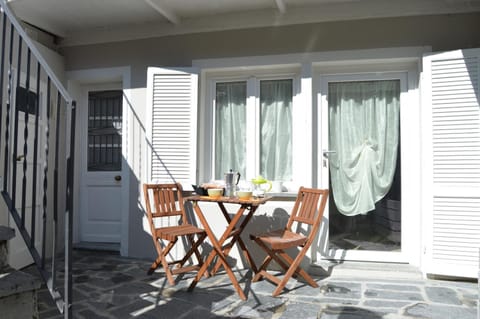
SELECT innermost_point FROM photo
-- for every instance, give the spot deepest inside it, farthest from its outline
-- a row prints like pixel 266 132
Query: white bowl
pixel 215 192
pixel 244 194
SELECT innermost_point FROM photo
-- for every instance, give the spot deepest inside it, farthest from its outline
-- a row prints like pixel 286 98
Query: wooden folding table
pixel 233 231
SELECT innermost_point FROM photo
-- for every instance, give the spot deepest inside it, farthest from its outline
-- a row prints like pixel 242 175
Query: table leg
pixel 217 251
pixel 236 237
pixel 246 253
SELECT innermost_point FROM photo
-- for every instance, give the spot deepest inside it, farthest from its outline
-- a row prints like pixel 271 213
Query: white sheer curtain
pixel 230 128
pixel 276 129
pixel 364 133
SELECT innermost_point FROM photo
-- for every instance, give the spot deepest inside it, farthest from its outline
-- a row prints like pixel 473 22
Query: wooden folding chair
pixel 163 201
pixel 307 211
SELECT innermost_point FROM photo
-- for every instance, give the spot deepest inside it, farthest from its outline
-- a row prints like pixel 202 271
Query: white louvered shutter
pixel 172 124
pixel 452 162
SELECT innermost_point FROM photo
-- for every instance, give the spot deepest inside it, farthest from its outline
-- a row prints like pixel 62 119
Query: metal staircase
pixel 37 133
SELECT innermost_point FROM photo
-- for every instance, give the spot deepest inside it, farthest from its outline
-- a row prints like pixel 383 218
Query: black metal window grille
pixel 105 131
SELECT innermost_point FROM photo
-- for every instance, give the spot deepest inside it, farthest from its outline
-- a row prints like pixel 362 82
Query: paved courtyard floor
pixel 109 286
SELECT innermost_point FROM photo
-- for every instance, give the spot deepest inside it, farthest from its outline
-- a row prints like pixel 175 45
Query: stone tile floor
pixel 109 286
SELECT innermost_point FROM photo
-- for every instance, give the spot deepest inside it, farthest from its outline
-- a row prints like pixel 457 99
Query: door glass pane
pixel 230 128
pixel 104 131
pixel 276 129
pixel 365 175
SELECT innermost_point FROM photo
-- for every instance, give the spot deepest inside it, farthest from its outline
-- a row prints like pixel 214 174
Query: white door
pixel 102 165
pixel 360 227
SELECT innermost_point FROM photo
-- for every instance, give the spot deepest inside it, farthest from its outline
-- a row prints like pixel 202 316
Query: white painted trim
pixel 406 237
pixel 305 101
pixel 98 76
pixel 301 119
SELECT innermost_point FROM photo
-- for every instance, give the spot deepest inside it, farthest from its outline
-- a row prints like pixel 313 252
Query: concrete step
pixel 18 290
pixel 18 294
pixel 366 270
pixel 6 233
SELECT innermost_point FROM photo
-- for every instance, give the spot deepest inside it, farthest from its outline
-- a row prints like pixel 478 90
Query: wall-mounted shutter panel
pixel 172 138
pixel 455 153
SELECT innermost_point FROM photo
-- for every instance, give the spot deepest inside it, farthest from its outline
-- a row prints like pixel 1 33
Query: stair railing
pixel 37 134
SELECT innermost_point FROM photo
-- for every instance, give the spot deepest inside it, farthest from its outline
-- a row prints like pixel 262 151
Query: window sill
pixel 282 195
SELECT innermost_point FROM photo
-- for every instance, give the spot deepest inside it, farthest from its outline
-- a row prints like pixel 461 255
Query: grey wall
pixel 441 32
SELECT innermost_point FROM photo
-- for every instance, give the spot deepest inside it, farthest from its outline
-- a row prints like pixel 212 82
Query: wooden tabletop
pixel 254 201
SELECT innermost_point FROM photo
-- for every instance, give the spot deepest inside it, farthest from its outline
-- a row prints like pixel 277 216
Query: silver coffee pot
pixel 231 181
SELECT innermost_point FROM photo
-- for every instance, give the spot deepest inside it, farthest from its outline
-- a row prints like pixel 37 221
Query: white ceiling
pixel 93 21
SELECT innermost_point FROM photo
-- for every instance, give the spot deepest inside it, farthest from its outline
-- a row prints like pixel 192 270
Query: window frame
pixel 253 79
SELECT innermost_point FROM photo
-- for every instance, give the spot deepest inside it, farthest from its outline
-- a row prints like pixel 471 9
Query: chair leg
pixel 294 268
pixel 291 267
pixel 198 255
pixel 189 253
pixel 270 255
pixel 163 252
pixel 160 253
pixel 263 267
pixel 259 275
pixel 165 265
pixel 154 265
pixel 195 246
pixel 295 264
pixel 161 259
pixel 194 250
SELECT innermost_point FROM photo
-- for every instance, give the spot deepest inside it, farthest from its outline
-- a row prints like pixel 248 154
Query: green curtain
pixel 276 129
pixel 364 135
pixel 230 128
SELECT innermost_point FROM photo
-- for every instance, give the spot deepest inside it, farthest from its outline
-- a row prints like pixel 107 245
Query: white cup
pixel 277 187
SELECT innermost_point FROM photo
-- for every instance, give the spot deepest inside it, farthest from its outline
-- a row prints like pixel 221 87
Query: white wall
pixel 54 60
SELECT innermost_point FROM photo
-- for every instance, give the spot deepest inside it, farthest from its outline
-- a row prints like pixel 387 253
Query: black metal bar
pixel 53 277
pixel 45 172
pixel 69 217
pixel 15 127
pixel 55 187
pixel 7 116
pixel 2 67
pixel 57 156
pixel 25 138
pixel 35 158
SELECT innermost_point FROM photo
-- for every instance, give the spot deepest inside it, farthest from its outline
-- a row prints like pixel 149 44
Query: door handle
pixel 326 153
pixel 118 178
pixel 326 157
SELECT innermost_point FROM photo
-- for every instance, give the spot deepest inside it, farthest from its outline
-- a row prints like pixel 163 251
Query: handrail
pixel 26 100
pixel 13 19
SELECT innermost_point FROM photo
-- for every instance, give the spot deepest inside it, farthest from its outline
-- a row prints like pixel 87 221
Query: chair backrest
pixel 309 208
pixel 163 200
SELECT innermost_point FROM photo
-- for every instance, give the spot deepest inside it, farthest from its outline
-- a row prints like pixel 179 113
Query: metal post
pixel 69 217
